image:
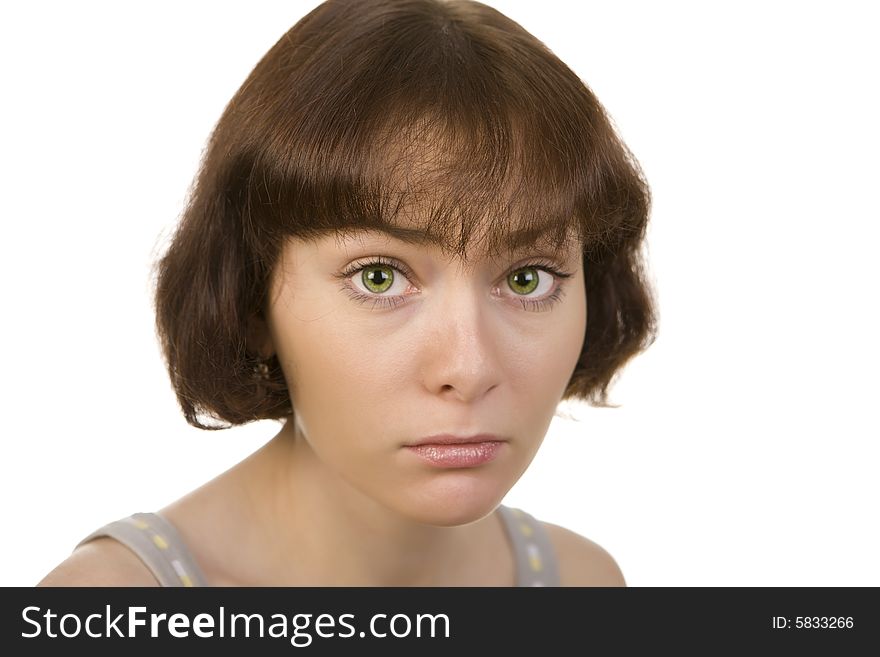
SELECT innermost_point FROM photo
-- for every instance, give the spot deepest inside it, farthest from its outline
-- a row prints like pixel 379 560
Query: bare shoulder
pixel 100 562
pixel 582 562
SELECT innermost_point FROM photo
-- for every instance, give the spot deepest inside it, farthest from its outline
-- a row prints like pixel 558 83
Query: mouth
pixel 456 452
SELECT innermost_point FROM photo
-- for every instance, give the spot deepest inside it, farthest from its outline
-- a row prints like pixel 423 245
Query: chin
pixel 459 500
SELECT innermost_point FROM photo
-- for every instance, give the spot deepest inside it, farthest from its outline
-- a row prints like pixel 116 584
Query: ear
pixel 259 339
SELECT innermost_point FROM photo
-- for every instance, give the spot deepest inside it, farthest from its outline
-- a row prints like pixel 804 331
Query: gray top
pixel 158 544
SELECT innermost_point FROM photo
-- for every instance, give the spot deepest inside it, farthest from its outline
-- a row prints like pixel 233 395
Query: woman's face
pixel 416 344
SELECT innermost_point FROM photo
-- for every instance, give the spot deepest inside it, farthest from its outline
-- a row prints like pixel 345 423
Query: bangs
pixel 453 189
pixel 454 122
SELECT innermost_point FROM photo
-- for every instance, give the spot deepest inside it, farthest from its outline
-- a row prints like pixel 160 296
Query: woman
pixel 413 233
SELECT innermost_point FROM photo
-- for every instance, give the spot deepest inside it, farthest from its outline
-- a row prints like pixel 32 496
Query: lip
pixel 447 451
pixel 449 439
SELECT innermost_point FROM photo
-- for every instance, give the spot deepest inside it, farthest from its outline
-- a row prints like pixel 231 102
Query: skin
pixel 334 498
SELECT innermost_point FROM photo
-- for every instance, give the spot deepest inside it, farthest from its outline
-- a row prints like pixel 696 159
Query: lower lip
pixel 459 455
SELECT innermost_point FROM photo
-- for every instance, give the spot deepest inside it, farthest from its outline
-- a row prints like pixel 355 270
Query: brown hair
pixel 448 114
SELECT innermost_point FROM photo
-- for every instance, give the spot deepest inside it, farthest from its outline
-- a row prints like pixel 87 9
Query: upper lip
pixel 449 439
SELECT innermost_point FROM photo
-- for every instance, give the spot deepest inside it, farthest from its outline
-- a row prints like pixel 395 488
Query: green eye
pixel 524 280
pixel 378 278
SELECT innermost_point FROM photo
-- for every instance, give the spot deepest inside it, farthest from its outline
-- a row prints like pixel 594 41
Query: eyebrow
pixel 518 240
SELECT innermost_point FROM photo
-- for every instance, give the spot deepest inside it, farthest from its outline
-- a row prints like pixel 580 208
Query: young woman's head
pixel 426 224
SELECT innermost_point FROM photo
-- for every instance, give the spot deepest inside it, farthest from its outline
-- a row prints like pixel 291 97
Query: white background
pixel 744 450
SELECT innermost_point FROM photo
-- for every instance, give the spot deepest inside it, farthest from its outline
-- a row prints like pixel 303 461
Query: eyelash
pixel 535 305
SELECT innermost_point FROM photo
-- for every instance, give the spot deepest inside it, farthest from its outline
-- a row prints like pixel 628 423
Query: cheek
pixel 333 364
pixel 572 340
pixel 549 356
pixel 574 323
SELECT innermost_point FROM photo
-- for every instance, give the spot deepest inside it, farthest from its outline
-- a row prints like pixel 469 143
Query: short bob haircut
pixel 445 116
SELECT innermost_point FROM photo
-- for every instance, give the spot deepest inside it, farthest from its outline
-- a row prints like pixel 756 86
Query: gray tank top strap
pixel 536 562
pixel 158 544
pixel 160 547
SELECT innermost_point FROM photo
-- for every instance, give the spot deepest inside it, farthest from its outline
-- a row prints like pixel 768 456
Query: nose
pixel 461 350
